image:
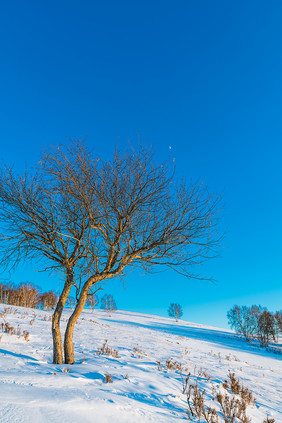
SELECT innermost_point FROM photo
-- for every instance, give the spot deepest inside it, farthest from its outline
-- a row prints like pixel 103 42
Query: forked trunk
pixel 68 342
pixel 56 333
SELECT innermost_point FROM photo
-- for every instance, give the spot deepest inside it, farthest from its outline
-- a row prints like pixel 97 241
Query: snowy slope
pixel 36 391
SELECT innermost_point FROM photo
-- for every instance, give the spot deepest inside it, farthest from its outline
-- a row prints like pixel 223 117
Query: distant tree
pixel 108 303
pixel 71 301
pixel 265 329
pixel 244 320
pixel 48 300
pixel 92 301
pixel 5 292
pixel 175 311
pixel 25 295
pixel 255 322
pixel 278 324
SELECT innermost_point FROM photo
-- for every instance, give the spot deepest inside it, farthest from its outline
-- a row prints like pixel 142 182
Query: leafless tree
pixel 266 329
pixel 278 324
pixel 101 218
pixel 108 303
pixel 175 311
pixel 92 300
pixel 139 215
pixel 244 320
pixel 48 300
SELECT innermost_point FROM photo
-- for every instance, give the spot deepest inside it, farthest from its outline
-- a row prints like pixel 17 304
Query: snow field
pixel 143 389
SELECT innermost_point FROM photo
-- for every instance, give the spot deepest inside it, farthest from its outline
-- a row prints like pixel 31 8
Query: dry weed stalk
pixel 138 353
pixel 108 378
pixel 106 350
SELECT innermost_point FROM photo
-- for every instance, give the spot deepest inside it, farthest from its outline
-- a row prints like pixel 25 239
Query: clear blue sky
pixel 204 77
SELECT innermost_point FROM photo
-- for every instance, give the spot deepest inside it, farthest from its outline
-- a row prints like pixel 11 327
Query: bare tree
pixel 278 324
pixel 71 302
pixel 101 218
pixel 244 320
pixel 139 216
pixel 108 303
pixel 175 311
pixel 266 329
pixel 48 300
pixel 92 300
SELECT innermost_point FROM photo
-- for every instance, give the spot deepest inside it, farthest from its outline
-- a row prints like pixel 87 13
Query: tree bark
pixel 56 333
pixel 68 341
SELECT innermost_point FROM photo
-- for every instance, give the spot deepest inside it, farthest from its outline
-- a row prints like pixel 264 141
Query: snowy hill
pixel 144 387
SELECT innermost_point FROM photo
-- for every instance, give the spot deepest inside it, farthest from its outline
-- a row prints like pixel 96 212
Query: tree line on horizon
pixel 28 295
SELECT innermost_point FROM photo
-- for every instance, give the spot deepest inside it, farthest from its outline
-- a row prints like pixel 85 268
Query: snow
pixel 35 390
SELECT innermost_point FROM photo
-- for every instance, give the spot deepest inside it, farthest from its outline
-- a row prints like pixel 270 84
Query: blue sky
pixel 202 77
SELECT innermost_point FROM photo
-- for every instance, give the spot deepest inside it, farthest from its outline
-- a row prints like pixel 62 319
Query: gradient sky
pixel 201 77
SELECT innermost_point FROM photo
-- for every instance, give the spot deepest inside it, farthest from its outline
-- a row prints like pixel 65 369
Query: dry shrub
pixel 10 330
pixel 160 367
pixel 7 328
pixel 268 420
pixel 106 350
pixel 235 385
pixel 108 378
pixel 196 402
pixel 138 353
pixel 174 365
pixel 237 388
pixel 233 409
pixel 26 335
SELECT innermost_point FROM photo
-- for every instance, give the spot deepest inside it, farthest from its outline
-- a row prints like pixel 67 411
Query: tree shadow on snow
pixel 25 357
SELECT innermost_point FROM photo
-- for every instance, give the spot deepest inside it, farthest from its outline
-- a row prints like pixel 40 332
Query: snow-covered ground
pixel 34 390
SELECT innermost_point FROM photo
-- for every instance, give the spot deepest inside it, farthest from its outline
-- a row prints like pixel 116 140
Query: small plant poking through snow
pixel 138 353
pixel 10 330
pixel 106 350
pixel 108 378
pixel 174 365
pixel 26 335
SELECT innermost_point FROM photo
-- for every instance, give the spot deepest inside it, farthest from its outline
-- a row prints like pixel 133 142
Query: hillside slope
pixel 143 388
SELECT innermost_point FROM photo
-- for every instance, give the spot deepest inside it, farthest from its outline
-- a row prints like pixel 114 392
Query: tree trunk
pixel 68 341
pixel 56 333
